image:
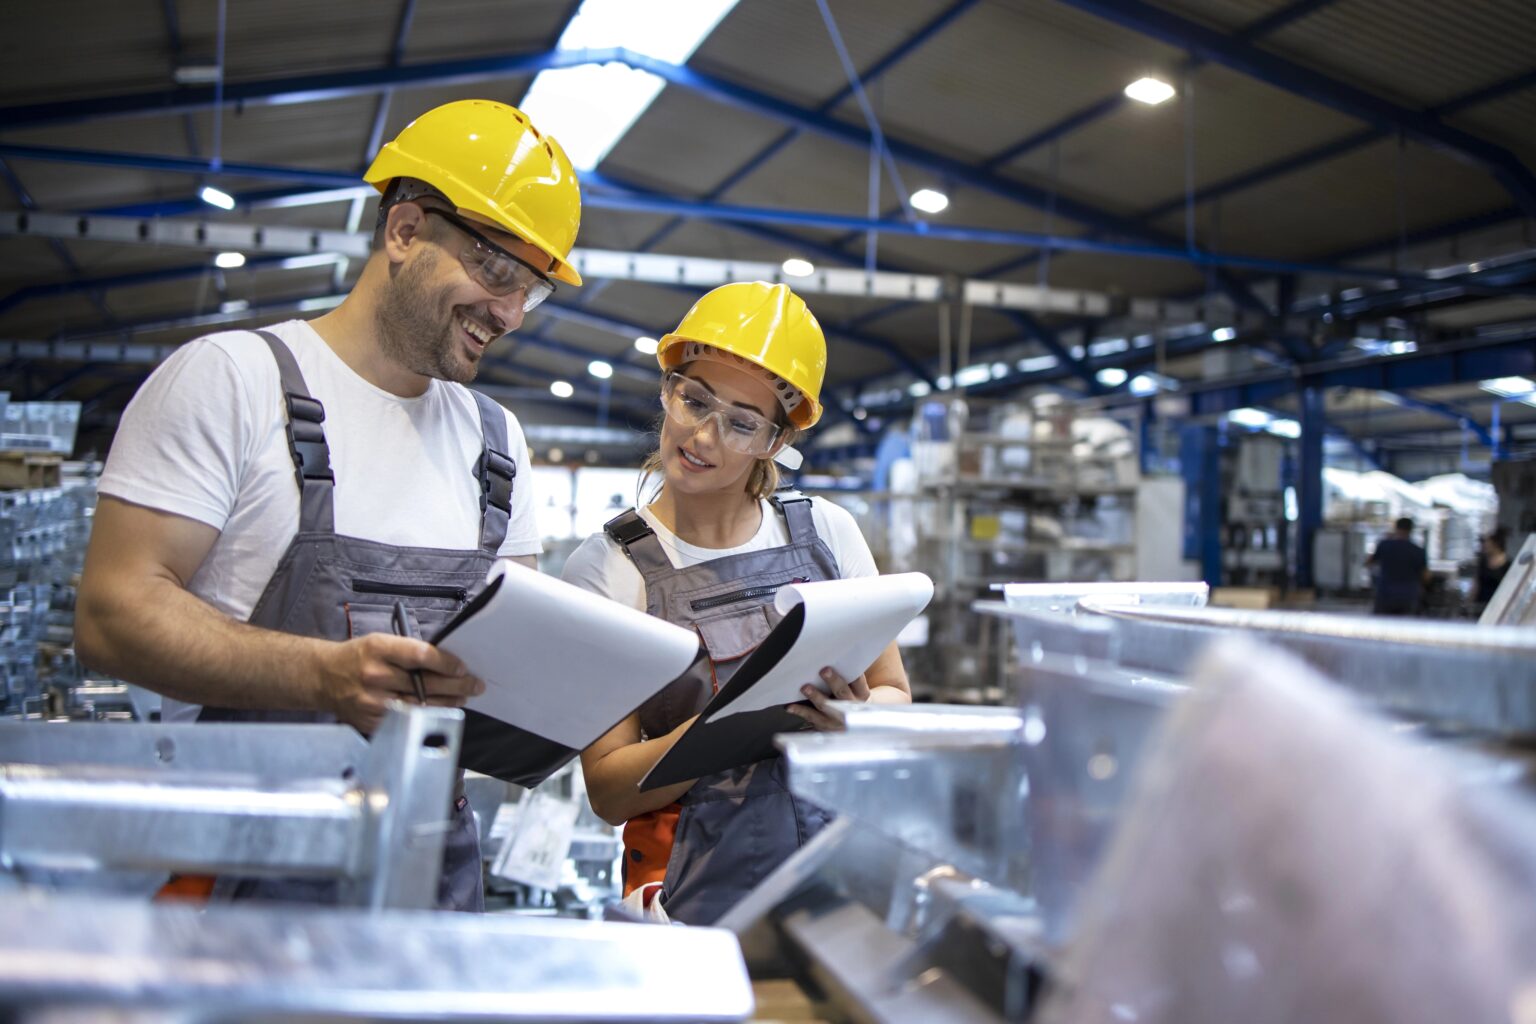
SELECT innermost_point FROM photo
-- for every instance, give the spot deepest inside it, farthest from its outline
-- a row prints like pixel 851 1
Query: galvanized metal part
pixel 1066 597
pixel 160 798
pixel 925 718
pixel 273 752
pixel 102 958
pixel 1288 858
pixel 1514 602
pixel 1449 673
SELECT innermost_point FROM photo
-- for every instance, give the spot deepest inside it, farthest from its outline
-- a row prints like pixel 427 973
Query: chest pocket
pixel 371 608
pixel 735 633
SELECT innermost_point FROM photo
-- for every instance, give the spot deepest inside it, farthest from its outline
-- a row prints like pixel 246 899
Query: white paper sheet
pixel 847 624
pixel 563 662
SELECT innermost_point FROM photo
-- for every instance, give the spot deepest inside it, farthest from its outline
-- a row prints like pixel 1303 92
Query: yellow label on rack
pixel 986 527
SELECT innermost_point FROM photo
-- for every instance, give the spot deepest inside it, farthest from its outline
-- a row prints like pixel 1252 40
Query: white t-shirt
pixel 204 438
pixel 601 566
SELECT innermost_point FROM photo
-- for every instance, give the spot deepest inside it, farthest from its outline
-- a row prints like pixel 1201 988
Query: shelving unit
pixel 992 506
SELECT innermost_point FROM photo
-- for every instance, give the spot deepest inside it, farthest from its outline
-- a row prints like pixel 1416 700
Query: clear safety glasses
pixel 690 403
pixel 495 269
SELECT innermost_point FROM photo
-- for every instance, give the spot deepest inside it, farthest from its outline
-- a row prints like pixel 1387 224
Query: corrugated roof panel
pixel 279 38
pixel 1419 52
pixel 43 44
pixel 1125 275
pixel 1239 124
pixel 1227 15
pixel 1347 202
pixel 783 47
pixel 1509 121
pixel 1004 72
pixel 667 142
pixel 465 28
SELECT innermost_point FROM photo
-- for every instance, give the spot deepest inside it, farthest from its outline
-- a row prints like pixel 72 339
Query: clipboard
pixel 561 665
pixel 738 725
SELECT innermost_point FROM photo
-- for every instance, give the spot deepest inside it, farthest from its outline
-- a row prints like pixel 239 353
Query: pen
pixel 405 627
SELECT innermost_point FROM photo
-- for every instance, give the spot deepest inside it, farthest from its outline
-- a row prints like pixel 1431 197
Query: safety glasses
pixel 690 403
pixel 495 269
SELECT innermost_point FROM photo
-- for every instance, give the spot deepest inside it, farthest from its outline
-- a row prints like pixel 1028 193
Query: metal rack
pixel 1190 814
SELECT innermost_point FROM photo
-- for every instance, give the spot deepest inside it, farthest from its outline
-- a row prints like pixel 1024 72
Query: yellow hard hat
pixel 766 325
pixel 490 161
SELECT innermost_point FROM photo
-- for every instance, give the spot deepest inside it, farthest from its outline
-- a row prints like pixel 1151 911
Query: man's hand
pixel 819 715
pixel 358 677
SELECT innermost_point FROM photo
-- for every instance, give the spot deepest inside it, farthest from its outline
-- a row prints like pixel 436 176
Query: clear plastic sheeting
pixel 1287 858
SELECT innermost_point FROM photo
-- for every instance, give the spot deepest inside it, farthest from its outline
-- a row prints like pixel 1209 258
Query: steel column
pixel 1309 483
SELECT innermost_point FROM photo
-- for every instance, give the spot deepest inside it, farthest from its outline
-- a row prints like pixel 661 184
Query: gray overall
pixel 736 826
pixel 337 587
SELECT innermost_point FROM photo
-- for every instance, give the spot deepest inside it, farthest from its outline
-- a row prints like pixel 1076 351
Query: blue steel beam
pixel 1325 151
pixel 850 329
pixel 880 67
pixel 298 89
pixel 1309 478
pixel 111 281
pixel 652 203
pixel 396 55
pixel 1335 147
pixel 1247 59
pixel 366 82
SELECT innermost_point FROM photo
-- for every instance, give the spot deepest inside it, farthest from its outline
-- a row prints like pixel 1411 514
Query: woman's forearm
pixel 613 780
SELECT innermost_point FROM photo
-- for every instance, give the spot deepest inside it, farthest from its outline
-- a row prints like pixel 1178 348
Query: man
pixel 275 502
pixel 1402 569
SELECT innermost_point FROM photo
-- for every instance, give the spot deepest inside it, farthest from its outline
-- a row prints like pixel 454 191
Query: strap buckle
pixel 306 439
pixel 496 472
pixel 627 527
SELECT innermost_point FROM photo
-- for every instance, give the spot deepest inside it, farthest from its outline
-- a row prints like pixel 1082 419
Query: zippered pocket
pixel 704 604
pixel 364 586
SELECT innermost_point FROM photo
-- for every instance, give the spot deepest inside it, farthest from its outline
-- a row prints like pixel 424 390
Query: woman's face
pixel 694 460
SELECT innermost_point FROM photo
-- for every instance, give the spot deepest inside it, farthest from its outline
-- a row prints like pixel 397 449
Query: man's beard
pixel 418 329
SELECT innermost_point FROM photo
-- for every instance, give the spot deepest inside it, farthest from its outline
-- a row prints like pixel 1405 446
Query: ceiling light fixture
pixel 796 267
pixel 216 197
pixel 600 369
pixel 1150 91
pixel 646 346
pixel 229 260
pixel 561 389
pixel 930 201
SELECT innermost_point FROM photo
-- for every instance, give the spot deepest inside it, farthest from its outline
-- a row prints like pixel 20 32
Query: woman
pixel 1492 564
pixel 741 377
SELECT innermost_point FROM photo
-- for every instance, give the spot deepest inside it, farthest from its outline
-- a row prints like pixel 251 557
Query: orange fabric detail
pixel 187 888
pixel 648 846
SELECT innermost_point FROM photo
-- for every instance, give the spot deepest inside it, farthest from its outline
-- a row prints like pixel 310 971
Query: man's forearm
pixel 164 638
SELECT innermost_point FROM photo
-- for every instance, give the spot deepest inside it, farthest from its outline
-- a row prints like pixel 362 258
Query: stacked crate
pixel 45 523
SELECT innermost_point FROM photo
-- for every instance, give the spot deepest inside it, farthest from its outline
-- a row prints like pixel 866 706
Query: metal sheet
pixel 1289 859
pixel 54 819
pixel 857 961
pixel 956 796
pixel 165 797
pixel 926 718
pixel 248 964
pixel 1065 597
pixel 270 752
pixel 1514 602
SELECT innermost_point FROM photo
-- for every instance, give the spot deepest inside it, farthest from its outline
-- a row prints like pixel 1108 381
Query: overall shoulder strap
pixel 306 442
pixel 639 541
pixel 796 509
pixel 497 474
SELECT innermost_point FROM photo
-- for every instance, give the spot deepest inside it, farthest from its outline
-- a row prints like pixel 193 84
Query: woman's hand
pixel 818 715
